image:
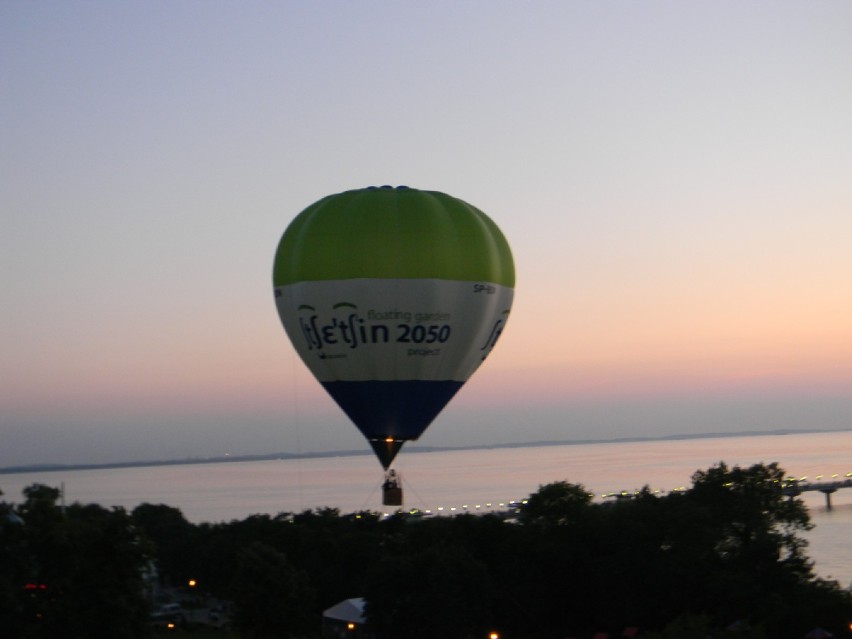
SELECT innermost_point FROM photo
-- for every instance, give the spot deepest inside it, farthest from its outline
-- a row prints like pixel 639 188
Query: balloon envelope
pixel 393 297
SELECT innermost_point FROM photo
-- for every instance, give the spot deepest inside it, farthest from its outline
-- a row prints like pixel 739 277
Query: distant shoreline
pixel 42 468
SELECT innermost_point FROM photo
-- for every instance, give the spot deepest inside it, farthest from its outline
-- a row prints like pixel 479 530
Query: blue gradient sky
pixel 674 178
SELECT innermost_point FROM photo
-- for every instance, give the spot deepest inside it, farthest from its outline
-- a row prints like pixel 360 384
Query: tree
pixel 690 626
pixel 755 531
pixel 271 598
pixel 13 571
pixel 758 521
pixel 556 504
pixel 745 551
pixel 174 539
pixel 81 568
pixel 441 591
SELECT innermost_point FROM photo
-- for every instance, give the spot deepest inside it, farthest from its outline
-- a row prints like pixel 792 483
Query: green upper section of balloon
pixel 387 232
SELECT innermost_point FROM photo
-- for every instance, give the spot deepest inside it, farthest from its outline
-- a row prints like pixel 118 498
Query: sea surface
pixel 470 480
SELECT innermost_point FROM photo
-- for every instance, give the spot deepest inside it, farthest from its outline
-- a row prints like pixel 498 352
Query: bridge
pixel 792 487
pixel 795 487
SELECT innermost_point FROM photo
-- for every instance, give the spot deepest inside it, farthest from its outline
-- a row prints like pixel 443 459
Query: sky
pixel 673 178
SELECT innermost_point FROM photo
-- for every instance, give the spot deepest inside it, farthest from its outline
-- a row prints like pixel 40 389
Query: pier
pixel 796 487
pixel 792 487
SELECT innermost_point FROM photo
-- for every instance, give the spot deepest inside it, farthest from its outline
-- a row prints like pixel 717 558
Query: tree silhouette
pixel 272 599
pixel 81 568
pixel 727 553
pixel 436 592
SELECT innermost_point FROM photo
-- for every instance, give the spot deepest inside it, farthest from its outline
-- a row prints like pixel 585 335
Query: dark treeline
pixel 724 558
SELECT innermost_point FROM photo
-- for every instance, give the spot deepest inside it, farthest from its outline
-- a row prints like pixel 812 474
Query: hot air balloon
pixel 393 297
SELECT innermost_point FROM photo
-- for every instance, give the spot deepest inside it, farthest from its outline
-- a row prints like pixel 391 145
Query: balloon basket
pixel 392 489
pixel 392 496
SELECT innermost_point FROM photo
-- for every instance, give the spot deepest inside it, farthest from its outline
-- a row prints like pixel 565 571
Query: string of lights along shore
pixel 792 486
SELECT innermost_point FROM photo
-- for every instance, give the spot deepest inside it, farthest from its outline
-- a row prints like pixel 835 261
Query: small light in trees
pixel 192 583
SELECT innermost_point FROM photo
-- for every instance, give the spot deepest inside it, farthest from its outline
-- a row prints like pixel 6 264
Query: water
pixel 474 480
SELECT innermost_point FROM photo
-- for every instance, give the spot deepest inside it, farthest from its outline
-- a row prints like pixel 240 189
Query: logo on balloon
pixel 351 330
pixel 494 335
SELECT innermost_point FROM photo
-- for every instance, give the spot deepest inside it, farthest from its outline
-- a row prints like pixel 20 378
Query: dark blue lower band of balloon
pixel 400 409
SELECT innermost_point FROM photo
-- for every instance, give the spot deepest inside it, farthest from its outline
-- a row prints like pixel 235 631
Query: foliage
pixel 701 627
pixel 174 537
pixel 272 600
pixel 439 591
pixel 724 558
pixel 556 504
pixel 72 572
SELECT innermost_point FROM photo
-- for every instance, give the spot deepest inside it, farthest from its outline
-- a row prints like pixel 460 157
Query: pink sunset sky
pixel 673 177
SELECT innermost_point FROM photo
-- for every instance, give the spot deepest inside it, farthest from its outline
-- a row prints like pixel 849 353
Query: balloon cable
pixel 296 416
pixel 365 505
pixel 407 485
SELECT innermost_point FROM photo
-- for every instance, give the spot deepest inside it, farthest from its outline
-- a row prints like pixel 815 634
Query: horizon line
pixel 46 467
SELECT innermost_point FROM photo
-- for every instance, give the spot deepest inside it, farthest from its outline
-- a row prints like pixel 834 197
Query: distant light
pixel 389 440
pixel 192 583
pixel 493 635
pixel 350 626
